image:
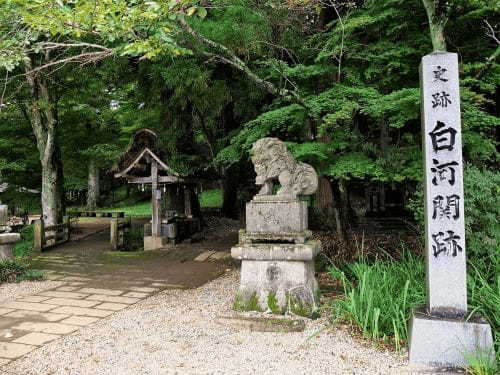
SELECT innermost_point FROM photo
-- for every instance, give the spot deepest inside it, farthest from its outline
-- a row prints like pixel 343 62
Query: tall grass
pixel 379 296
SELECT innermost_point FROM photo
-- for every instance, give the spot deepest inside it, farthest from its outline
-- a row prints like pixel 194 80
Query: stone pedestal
pixel 444 342
pixel 155 242
pixel 278 277
pixel 272 216
pixel 7 242
pixel 277 269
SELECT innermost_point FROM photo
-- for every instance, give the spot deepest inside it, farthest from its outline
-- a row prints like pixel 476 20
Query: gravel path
pixel 11 291
pixel 175 332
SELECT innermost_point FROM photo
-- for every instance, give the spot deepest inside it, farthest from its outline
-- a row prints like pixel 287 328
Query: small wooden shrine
pixel 174 202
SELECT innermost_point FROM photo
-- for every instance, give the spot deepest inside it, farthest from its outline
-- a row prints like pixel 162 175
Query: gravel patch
pixel 176 332
pixel 12 291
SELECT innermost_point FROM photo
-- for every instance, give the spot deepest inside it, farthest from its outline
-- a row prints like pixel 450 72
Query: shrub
pixel 25 246
pixel 15 271
pixel 133 238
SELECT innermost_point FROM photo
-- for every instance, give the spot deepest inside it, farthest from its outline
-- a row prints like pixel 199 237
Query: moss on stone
pixel 301 308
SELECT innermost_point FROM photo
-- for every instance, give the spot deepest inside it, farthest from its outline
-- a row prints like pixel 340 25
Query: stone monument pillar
pixel 443 333
pixel 277 270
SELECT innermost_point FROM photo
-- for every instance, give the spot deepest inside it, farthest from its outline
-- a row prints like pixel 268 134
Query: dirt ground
pixel 89 254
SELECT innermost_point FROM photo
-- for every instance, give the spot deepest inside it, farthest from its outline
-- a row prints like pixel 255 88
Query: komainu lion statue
pixel 272 161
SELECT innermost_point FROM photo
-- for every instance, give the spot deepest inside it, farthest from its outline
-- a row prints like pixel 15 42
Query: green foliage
pixel 272 304
pixel 15 271
pixel 211 198
pixel 283 121
pixel 140 209
pixel 24 247
pixel 481 362
pixel 242 304
pixel 379 296
pixel 301 308
pixel 133 238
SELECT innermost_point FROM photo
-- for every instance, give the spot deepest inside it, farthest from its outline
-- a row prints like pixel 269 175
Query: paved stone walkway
pixel 35 320
pixel 95 283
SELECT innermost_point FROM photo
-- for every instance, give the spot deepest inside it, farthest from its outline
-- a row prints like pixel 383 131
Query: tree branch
pixel 231 59
pixel 83 58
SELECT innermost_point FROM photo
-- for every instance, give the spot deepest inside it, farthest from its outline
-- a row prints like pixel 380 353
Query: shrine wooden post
pixel 155 200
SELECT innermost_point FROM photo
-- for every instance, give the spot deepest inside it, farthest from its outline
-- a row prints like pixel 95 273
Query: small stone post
pixel 113 235
pixel 66 228
pixel 38 235
pixel 443 333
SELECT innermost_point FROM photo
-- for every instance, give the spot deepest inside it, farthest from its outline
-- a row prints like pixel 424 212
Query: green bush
pixel 133 238
pixel 14 271
pixel 25 246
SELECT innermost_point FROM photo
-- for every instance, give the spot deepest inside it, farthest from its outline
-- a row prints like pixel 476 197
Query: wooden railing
pixel 52 235
pixel 97 214
pixel 117 233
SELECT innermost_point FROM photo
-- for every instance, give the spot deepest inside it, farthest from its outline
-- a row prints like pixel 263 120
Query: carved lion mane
pixel 272 161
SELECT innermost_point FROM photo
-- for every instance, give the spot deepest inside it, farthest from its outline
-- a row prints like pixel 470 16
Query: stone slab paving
pixel 93 284
pixel 32 321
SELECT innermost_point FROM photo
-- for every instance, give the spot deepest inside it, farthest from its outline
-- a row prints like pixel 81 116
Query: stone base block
pixel 276 216
pixel 7 243
pixel 441 342
pixel 285 252
pixel 6 251
pixel 277 277
pixel 249 237
pixel 153 243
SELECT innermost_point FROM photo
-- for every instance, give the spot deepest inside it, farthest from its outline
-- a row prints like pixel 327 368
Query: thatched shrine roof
pixel 136 160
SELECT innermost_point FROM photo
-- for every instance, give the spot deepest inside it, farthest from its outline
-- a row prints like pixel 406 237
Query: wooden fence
pixel 117 233
pixel 49 236
pixel 97 214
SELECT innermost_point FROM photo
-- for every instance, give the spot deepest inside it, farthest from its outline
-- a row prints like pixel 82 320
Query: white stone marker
pixel 442 334
pixel 444 202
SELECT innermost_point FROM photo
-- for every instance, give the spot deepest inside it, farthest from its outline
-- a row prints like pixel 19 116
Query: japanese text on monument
pixel 445 233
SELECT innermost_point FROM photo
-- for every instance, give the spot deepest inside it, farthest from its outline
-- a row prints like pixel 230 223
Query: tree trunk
pixel 437 14
pixel 384 145
pixel 323 203
pixel 93 186
pixel 51 193
pixel 43 117
pixel 341 208
pixel 323 199
pixel 230 207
